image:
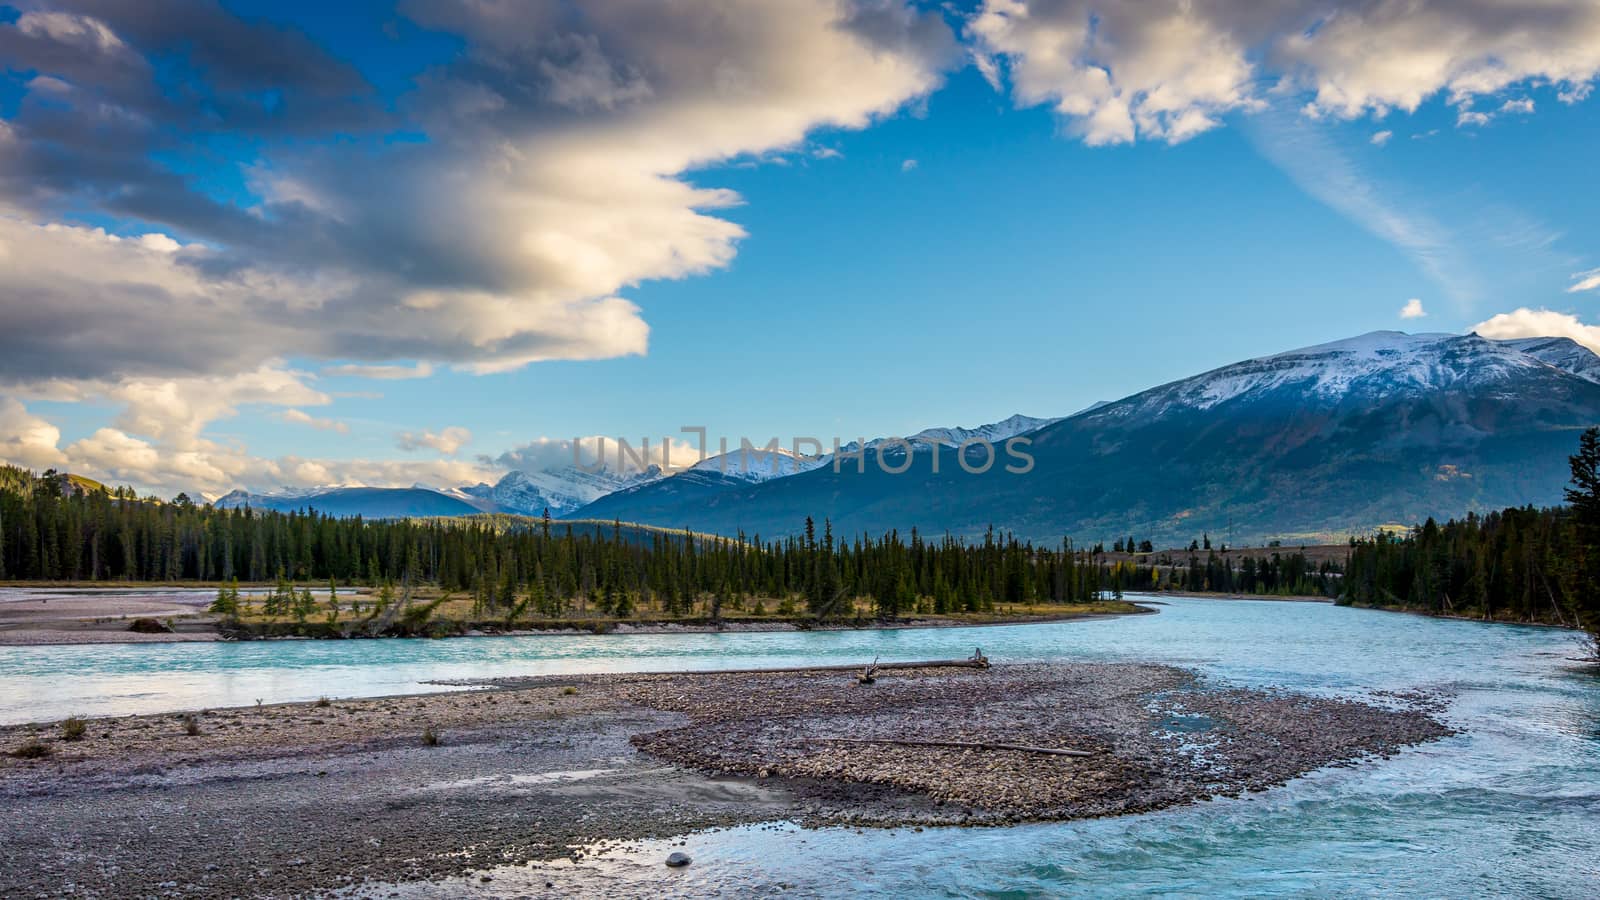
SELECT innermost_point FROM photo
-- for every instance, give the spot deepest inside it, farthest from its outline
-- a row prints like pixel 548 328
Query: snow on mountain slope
pixel 756 464
pixel 1563 353
pixel 240 498
pixel 1369 368
pixel 559 490
pixel 994 432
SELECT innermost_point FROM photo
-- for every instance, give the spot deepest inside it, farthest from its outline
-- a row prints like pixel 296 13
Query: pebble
pixel 677 860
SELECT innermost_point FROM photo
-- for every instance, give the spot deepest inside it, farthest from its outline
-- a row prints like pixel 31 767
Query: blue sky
pixel 961 250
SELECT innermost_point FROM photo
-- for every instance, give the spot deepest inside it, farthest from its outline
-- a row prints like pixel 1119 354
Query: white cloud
pixel 552 181
pixel 1526 322
pixel 27 440
pixel 116 457
pixel 209 468
pixel 908 165
pixel 212 469
pixel 1584 281
pixel 175 410
pixel 1523 106
pixel 300 417
pixel 1382 137
pixel 446 441
pixel 1116 71
pixel 1413 309
pixel 1169 69
pixel 1395 54
pixel 1327 171
pixel 1575 93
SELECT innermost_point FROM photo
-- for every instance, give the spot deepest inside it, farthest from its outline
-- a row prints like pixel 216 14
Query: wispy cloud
pixel 1382 137
pixel 1584 281
pixel 299 417
pixel 908 165
pixel 382 372
pixel 446 440
pixel 1316 161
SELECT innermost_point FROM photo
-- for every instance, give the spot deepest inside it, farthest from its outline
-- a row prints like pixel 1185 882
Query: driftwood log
pixel 963 745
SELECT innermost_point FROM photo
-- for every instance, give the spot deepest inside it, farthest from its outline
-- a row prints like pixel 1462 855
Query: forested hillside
pixel 1526 565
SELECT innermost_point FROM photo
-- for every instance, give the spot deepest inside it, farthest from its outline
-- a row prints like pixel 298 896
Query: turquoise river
pixel 1509 807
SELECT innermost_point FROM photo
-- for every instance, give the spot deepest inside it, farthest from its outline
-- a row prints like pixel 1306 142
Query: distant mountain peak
pixel 1361 369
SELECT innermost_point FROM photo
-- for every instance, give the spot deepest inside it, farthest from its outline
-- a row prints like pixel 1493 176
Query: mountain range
pixel 1317 443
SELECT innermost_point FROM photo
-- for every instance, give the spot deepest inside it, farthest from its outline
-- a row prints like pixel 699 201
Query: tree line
pixel 53 528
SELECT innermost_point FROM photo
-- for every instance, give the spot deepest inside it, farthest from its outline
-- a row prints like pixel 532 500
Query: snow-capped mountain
pixel 1370 368
pixel 994 433
pixel 757 464
pixel 1324 441
pixel 558 490
pixel 240 498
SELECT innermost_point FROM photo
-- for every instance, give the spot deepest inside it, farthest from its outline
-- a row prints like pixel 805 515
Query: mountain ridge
pixel 1438 423
pixel 1329 440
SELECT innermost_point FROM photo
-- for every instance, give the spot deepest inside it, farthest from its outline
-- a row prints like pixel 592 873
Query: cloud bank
pixel 491 217
pixel 548 180
pixel 1168 70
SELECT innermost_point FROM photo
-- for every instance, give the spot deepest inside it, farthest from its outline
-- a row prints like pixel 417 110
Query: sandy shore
pixel 50 615
pixel 283 800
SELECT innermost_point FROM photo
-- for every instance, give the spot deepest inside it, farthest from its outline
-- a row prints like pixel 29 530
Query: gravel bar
pixel 293 799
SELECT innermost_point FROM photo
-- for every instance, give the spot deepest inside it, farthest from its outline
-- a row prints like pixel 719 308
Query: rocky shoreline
pixel 284 800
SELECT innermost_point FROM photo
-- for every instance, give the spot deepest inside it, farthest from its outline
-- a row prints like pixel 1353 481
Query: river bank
pixel 1548 621
pixel 282 799
pixel 73 614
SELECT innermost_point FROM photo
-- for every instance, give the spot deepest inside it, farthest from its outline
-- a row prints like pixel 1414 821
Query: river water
pixel 1509 807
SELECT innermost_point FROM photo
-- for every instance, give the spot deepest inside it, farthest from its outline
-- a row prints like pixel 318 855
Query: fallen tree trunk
pixel 964 745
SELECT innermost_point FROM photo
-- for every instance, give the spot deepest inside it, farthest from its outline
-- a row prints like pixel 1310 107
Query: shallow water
pixel 1509 807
